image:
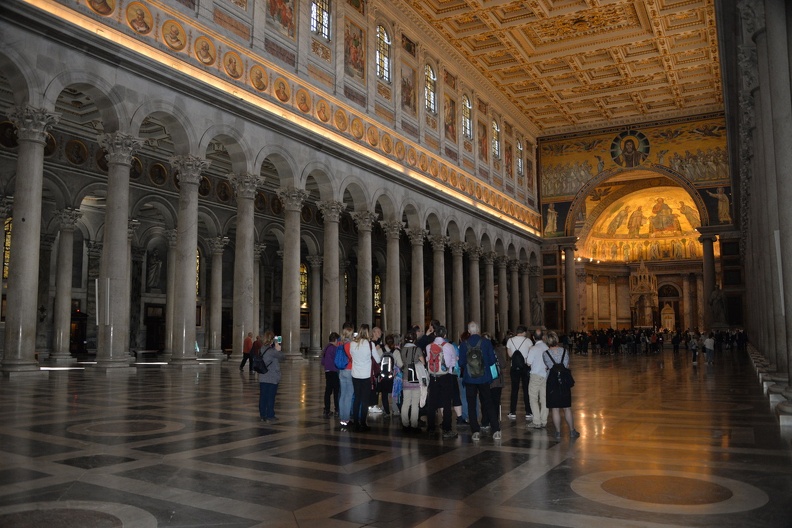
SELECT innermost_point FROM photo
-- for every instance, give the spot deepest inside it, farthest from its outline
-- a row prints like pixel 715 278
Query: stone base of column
pixel 216 354
pixel 25 374
pixel 293 357
pixel 166 357
pixel 784 412
pixel 315 352
pixel 775 394
pixel 121 369
pixel 61 360
pixel 186 364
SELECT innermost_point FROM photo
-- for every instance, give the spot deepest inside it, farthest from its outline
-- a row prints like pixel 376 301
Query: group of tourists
pixel 427 379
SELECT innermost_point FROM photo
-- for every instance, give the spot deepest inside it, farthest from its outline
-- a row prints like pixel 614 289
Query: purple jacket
pixel 328 358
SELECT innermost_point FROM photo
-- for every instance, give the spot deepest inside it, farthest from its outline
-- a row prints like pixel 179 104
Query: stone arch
pixel 237 148
pixel 175 120
pixel 160 205
pixel 511 251
pixel 356 191
pixel 472 239
pixel 284 165
pixel 208 218
pixel 22 79
pixel 453 230
pixel 385 201
pixel 321 174
pixel 578 203
pixel 109 103
pixel 410 214
pixel 434 225
pixel 312 244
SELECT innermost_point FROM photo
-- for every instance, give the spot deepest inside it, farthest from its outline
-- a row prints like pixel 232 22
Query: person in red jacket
pixel 247 344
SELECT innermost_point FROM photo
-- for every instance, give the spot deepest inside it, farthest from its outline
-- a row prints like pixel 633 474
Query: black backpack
pixel 386 366
pixel 559 377
pixel 517 359
pixel 475 360
pixel 258 362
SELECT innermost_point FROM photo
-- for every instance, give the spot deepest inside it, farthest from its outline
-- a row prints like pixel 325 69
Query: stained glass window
pixel 430 89
pixel 320 18
pixel 467 121
pixel 383 53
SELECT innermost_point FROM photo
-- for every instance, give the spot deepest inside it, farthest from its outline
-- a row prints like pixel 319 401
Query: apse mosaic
pixel 694 149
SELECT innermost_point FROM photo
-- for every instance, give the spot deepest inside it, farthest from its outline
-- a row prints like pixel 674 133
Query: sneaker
pixel 512 416
pixel 557 436
pixel 476 436
pixel 574 434
pixel 496 435
pixel 486 429
pixel 375 409
pixel 449 434
pixel 461 421
pixel 528 417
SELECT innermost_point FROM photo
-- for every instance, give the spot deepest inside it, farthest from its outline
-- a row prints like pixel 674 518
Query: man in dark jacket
pixel 479 386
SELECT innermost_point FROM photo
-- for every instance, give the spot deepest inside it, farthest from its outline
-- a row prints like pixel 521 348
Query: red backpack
pixel 436 363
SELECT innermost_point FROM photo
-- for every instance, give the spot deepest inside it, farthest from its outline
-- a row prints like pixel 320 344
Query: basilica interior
pixel 177 174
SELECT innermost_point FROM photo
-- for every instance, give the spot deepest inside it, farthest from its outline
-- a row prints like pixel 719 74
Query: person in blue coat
pixel 479 386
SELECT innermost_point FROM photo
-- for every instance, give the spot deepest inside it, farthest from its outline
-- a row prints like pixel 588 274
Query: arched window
pixel 377 294
pixel 6 246
pixel 383 54
pixel 320 18
pixel 520 154
pixel 430 89
pixel 496 147
pixel 467 120
pixel 198 272
pixel 303 286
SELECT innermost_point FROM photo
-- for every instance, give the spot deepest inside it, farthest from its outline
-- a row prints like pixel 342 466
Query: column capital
pixel 315 261
pixel 457 248
pixel 119 147
pixel 68 218
pixel 525 268
pixel 217 244
pixel 331 210
pixel 501 260
pixel 280 254
pixel 132 225
pixel 94 248
pixel 32 124
pixel 392 229
pixel 171 235
pixel 364 220
pixel 438 242
pixel 245 184
pixel 514 265
pixel 138 253
pixel 292 199
pixel 474 252
pixel 258 249
pixel 416 236
pixel 535 271
pixel 189 168
pixel 488 257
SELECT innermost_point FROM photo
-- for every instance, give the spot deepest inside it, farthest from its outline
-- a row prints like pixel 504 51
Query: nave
pixel 663 444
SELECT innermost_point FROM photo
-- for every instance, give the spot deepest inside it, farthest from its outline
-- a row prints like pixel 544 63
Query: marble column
pixel 525 298
pixel 612 299
pixel 183 346
pixel 404 324
pixel 171 235
pixel 245 185
pixel 216 246
pixel 392 302
pixel 489 292
pixel 503 296
pixel 458 289
pixel 31 125
pixel 417 313
pixel 342 294
pixel 331 276
pixel 708 277
pixel 258 249
pixel 700 301
pixel 94 251
pixel 474 256
pixel 778 15
pixel 438 243
pixel 514 294
pixel 113 349
pixel 314 305
pixel 572 319
pixel 595 301
pixel 292 200
pixel 61 355
pixel 132 226
pixel 687 315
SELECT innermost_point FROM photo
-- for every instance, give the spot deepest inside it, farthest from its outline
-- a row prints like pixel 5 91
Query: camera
pixel 279 339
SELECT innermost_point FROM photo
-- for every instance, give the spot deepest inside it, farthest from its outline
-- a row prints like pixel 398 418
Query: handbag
pixel 495 370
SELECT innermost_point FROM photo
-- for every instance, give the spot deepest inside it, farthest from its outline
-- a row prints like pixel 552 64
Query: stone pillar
pixel 61 354
pixel 700 301
pixel 525 298
pixel 258 249
pixel 595 301
pixel 458 289
pixel 314 305
pixel 171 235
pixel 474 255
pixel 331 273
pixel 572 319
pixel 417 293
pixel 514 294
pixel 438 278
pixel 404 324
pixel 94 250
pixel 342 293
pixel 392 302
pixel 365 295
pixel 183 347
pixel 245 185
pixel 687 315
pixel 113 348
pixel 503 296
pixel 216 245
pixel 290 304
pixel 489 292
pixel 612 297
pixel 132 226
pixel 31 125
pixel 708 278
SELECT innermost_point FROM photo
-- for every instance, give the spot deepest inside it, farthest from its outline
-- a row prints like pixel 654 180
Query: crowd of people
pixel 642 341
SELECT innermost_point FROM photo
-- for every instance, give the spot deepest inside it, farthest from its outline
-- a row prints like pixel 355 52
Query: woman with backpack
pixel 268 382
pixel 332 383
pixel 362 352
pixel 391 358
pixel 413 375
pixel 558 397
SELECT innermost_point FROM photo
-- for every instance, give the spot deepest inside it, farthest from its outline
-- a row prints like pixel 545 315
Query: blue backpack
pixel 341 359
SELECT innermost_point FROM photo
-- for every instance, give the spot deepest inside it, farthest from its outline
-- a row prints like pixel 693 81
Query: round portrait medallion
pixel 102 7
pixel 76 152
pixel 205 51
pixel 356 128
pixel 232 63
pixel 258 78
pixel 386 143
pixel 372 135
pixel 303 100
pixel 282 90
pixel 399 149
pixel 174 36
pixel 341 120
pixel 323 110
pixel 139 18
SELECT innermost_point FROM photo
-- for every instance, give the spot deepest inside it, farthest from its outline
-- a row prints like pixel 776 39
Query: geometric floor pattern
pixel 663 444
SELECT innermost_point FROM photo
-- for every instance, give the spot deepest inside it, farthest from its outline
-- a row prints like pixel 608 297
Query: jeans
pixel 345 395
pixel 360 405
pixel 519 377
pixel 245 358
pixel 488 411
pixel 332 386
pixel 537 393
pixel 267 399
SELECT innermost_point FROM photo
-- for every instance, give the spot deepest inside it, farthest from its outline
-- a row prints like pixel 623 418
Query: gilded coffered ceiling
pixel 580 64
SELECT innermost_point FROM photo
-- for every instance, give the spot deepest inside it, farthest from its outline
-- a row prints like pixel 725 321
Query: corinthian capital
pixel 217 244
pixel 31 123
pixel 245 184
pixel 364 220
pixel 416 236
pixel 331 210
pixel 68 219
pixel 457 248
pixel 190 168
pixel 474 252
pixel 392 229
pixel 438 242
pixel 488 257
pixel 119 147
pixel 292 199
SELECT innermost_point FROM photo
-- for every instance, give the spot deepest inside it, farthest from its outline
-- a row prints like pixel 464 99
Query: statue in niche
pixel 551 225
pixel 154 270
pixel 724 216
pixel 717 302
pixel 537 310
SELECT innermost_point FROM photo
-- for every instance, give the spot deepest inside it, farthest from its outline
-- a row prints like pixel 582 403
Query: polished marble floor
pixel 663 443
